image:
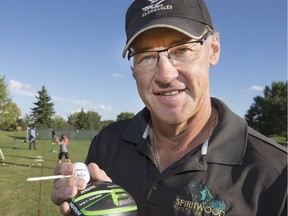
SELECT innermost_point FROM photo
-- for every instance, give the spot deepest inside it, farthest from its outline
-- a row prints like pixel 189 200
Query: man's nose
pixel 165 70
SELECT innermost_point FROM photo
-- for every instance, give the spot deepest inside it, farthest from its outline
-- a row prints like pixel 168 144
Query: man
pixel 185 153
pixel 32 138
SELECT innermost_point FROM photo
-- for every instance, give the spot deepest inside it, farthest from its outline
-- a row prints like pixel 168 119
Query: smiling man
pixel 185 153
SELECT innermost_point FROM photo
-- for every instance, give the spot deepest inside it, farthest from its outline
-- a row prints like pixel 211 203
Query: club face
pixel 103 198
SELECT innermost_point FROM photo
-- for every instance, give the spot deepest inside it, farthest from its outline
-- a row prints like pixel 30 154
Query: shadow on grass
pixel 16 164
pixel 20 156
pixel 16 145
pixel 37 166
pixel 18 137
pixel 31 158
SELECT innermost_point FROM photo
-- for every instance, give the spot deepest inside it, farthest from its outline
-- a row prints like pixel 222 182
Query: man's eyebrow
pixel 174 42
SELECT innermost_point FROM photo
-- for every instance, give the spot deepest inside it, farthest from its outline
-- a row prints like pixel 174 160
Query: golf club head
pixel 103 199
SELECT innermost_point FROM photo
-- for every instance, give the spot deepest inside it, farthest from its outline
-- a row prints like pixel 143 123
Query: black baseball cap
pixel 191 17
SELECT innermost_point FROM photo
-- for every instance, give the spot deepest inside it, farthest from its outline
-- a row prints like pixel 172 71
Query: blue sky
pixel 73 48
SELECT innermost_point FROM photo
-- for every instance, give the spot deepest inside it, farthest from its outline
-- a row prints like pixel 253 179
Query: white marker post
pixel 48 177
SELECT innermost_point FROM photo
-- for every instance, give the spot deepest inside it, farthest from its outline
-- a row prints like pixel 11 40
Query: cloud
pixel 257 88
pixel 103 107
pixel 16 85
pixel 19 88
pixel 116 75
pixel 89 106
pixel 82 103
pixel 59 99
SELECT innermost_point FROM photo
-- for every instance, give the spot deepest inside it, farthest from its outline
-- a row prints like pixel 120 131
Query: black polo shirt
pixel 241 173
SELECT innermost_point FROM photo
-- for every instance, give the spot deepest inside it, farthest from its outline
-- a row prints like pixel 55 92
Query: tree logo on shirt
pixel 202 201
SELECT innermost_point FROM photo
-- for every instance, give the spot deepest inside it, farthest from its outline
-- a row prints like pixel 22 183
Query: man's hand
pixel 67 188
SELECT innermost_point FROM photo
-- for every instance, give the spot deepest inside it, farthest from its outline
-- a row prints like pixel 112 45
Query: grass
pixel 19 197
pixel 280 140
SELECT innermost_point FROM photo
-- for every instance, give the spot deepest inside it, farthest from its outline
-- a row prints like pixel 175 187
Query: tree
pixel 72 119
pixel 85 120
pixel 10 116
pixel 9 111
pixel 59 122
pixel 105 123
pixel 124 116
pixel 27 119
pixel 93 120
pixel 268 114
pixel 43 111
pixel 81 120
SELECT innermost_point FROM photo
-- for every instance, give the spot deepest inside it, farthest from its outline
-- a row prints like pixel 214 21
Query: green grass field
pixel 22 198
pixel 19 197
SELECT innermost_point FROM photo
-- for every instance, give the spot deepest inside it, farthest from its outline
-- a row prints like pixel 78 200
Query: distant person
pixel 63 149
pixel 53 136
pixel 32 138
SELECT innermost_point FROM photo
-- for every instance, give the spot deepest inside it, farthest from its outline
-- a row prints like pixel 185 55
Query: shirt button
pixel 155 187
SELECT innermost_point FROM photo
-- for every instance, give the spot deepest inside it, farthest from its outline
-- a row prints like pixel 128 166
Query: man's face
pixel 174 94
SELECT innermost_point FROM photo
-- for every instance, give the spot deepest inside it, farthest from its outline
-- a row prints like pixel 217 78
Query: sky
pixel 74 47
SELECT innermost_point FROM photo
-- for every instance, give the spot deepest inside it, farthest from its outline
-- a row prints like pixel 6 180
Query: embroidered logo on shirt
pixel 155 5
pixel 202 201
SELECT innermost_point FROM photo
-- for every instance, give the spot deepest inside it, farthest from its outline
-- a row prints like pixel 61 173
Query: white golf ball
pixel 81 170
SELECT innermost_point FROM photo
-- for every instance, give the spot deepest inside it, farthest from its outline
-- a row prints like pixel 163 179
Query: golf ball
pixel 81 170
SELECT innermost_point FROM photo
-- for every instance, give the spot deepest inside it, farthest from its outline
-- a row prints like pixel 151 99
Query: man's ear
pixel 215 49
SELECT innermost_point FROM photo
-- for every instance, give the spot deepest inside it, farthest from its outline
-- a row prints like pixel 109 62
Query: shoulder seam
pixel 265 139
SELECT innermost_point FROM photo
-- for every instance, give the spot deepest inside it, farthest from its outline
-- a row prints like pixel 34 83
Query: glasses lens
pixel 144 61
pixel 185 53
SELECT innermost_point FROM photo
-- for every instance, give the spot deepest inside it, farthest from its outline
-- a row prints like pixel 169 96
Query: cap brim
pixel 182 25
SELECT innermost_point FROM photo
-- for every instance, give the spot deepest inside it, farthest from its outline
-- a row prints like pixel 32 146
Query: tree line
pixel 267 114
pixel 43 114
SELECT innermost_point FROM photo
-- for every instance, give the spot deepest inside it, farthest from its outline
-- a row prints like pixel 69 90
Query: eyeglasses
pixel 178 54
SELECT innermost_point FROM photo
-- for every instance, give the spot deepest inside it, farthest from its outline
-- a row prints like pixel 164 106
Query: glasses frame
pixel 201 41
